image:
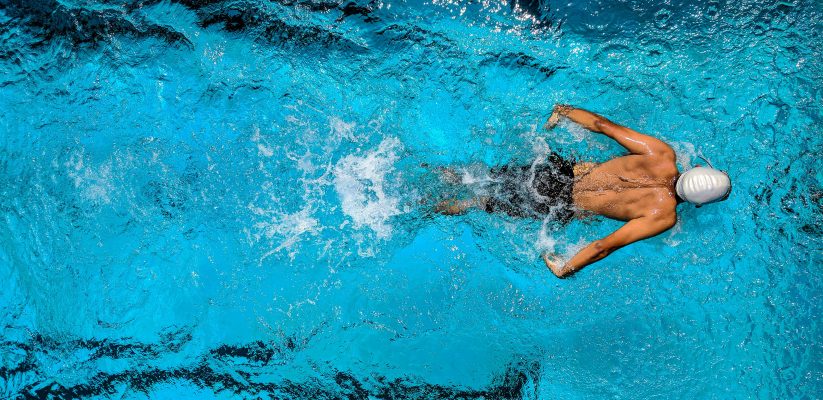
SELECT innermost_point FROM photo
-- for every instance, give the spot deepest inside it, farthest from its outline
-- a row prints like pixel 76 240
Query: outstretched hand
pixel 558 111
pixel 552 121
pixel 554 263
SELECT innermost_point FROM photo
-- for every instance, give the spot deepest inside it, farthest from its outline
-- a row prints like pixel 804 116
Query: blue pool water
pixel 225 199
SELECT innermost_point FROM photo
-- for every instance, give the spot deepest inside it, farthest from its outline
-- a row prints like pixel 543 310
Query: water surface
pixel 219 199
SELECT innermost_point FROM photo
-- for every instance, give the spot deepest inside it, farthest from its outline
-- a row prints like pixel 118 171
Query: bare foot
pixel 449 175
pixel 453 207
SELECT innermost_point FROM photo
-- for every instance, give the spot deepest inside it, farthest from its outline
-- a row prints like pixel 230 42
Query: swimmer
pixel 642 188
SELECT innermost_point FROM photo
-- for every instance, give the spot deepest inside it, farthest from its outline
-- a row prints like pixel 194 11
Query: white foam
pixel 578 133
pixel 568 132
pixel 263 147
pixel 360 183
pixel 474 176
pixel 289 227
pixel 304 161
pixel 295 225
pixel 94 183
pixel 674 234
pixel 342 129
pixel 557 242
pixel 685 153
pixel 540 148
pixel 545 242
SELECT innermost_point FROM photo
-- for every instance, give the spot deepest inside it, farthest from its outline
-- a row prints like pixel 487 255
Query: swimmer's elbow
pixel 602 249
pixel 668 222
pixel 600 124
pixel 663 151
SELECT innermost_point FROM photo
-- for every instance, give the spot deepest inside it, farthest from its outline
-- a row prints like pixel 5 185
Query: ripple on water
pixel 224 198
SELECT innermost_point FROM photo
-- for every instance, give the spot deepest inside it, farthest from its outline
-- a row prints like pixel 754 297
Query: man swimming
pixel 642 188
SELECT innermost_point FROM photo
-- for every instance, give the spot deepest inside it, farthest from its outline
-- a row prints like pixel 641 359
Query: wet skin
pixel 637 188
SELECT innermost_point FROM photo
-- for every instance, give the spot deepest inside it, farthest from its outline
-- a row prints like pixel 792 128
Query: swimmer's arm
pixel 633 141
pixel 632 231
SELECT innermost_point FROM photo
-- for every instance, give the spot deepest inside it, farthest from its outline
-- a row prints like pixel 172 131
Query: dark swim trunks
pixel 523 192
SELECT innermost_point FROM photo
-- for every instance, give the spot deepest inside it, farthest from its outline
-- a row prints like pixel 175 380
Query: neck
pixel 674 189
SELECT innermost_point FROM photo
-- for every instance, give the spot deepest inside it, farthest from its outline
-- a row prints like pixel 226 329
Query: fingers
pixel 551 122
pixel 554 263
pixel 558 111
pixel 562 109
pixel 551 259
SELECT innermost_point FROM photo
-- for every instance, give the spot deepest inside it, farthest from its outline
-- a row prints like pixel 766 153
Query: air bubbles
pixel 655 54
pixel 662 17
pixel 713 9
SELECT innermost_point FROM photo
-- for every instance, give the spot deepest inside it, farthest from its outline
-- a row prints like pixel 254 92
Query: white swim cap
pixel 701 185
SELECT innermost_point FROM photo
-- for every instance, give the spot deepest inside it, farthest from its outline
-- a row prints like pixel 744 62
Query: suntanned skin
pixel 637 188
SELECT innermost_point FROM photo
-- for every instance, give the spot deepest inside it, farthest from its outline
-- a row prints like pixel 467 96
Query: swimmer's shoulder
pixel 663 208
pixel 661 149
pixel 662 161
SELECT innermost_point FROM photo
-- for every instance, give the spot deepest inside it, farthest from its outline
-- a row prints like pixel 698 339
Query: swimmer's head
pixel 702 185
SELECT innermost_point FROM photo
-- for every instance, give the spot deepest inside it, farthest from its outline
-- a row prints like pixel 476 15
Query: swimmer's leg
pixel 446 174
pixel 457 207
pixel 449 175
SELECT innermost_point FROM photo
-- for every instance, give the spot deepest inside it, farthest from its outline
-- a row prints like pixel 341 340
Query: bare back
pixel 637 188
pixel 627 187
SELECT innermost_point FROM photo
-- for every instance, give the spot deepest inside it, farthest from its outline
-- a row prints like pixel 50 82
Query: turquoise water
pixel 225 199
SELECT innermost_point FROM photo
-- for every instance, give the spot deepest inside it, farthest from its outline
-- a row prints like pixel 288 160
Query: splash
pixel 288 227
pixel 685 153
pixel 361 184
pixel 93 183
pixel 545 242
pixel 342 129
pixel 263 147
